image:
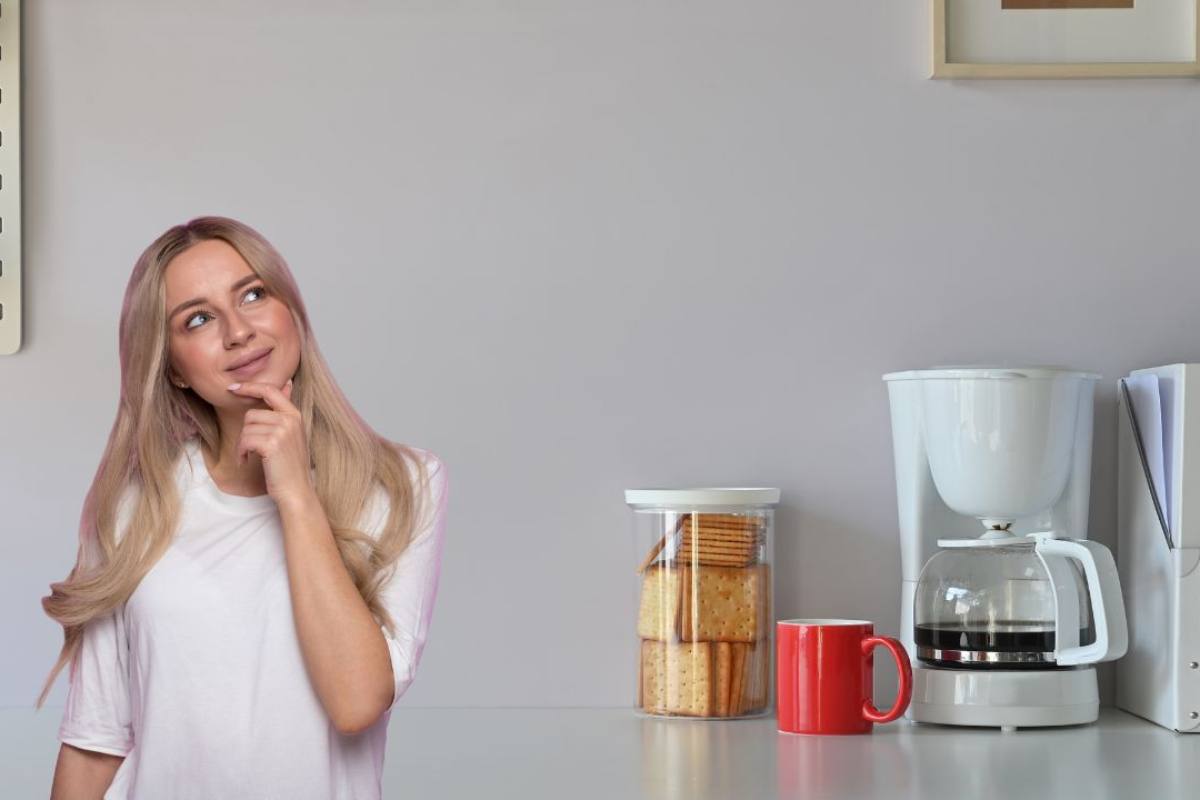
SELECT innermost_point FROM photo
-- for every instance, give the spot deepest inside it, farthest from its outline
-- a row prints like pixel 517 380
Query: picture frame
pixel 969 42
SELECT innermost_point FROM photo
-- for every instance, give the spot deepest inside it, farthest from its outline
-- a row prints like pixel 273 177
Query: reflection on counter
pixel 605 753
pixel 1122 758
pixel 926 761
pixel 694 759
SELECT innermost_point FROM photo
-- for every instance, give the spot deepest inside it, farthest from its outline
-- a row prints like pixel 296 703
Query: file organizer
pixel 1158 543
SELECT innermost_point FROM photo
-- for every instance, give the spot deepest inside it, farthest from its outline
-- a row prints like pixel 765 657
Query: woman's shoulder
pixel 431 461
pixel 432 465
pixel 432 488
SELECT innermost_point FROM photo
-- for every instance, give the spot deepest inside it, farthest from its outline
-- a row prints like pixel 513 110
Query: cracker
pixel 737 684
pixel 723 604
pixel 702 562
pixel 764 674
pixel 765 606
pixel 756 675
pixel 653 554
pixel 714 552
pixel 749 676
pixel 686 552
pixel 718 547
pixel 732 520
pixel 703 535
pixel 723 667
pixel 641 690
pixel 718 556
pixel 703 522
pixel 689 678
pixel 708 561
pixel 654 680
pixel 658 614
pixel 710 536
pixel 658 547
pixel 679 678
pixel 709 533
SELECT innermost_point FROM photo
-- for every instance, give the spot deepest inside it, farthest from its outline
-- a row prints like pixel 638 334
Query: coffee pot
pixel 1018 602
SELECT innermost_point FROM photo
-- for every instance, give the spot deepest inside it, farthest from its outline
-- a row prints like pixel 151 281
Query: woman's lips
pixel 246 370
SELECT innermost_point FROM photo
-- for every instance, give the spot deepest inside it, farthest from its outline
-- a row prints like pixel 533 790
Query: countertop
pixel 613 753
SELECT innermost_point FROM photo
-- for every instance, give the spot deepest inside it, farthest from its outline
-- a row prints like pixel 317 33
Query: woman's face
pixel 234 318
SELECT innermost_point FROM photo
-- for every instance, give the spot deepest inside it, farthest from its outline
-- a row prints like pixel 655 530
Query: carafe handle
pixel 1104 592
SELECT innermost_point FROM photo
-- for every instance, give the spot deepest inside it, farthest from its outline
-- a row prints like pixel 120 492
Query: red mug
pixel 824 676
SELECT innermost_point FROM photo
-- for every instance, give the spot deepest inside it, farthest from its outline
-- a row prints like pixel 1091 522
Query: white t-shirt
pixel 198 678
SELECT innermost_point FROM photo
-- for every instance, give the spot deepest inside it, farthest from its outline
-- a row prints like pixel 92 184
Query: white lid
pixel 989 373
pixel 985 541
pixel 716 496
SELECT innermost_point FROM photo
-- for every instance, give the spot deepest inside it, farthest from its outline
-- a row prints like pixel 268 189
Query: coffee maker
pixel 1005 605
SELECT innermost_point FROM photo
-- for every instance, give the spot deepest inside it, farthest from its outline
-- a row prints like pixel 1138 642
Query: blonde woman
pixel 257 568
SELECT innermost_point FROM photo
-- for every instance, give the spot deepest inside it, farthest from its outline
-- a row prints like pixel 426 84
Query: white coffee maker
pixel 1002 620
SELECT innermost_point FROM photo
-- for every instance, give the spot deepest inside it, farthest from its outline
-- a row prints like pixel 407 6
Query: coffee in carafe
pixel 1004 645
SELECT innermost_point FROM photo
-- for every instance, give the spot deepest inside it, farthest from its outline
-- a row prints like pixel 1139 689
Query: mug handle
pixel 904 694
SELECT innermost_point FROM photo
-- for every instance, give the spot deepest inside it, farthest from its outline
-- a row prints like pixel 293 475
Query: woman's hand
pixel 276 434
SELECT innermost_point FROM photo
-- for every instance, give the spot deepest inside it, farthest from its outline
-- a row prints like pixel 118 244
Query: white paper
pixel 1148 409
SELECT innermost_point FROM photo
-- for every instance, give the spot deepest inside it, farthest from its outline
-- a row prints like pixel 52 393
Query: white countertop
pixel 612 753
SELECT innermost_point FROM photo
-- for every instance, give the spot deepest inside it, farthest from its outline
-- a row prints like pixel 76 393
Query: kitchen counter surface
pixel 612 753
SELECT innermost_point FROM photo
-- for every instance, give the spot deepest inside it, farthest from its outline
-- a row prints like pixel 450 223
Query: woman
pixel 257 568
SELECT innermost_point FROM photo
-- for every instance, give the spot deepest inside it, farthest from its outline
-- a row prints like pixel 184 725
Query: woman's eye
pixel 260 290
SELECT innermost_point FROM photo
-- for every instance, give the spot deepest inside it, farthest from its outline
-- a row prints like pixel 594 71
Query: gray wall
pixel 577 247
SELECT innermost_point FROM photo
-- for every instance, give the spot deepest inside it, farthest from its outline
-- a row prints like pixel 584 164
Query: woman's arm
pixel 83 774
pixel 344 650
pixel 359 668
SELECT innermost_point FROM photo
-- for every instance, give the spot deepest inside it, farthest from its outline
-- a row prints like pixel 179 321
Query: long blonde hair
pixel 155 418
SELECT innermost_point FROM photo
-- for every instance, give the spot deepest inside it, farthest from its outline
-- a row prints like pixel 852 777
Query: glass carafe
pixel 1014 602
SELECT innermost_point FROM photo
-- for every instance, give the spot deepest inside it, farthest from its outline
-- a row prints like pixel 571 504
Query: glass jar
pixel 704 601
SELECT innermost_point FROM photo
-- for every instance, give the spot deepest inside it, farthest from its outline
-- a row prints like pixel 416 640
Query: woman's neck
pixel 232 478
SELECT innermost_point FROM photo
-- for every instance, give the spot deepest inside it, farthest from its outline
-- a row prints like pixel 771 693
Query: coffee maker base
pixel 1007 699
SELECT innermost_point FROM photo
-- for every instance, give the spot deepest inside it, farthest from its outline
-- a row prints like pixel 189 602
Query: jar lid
pixel 688 498
pixel 990 373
